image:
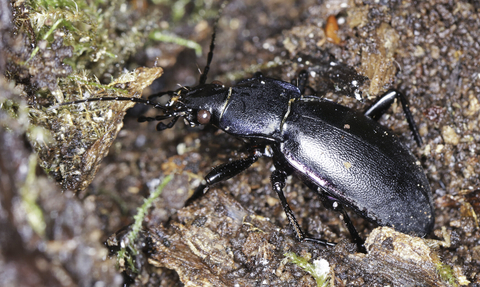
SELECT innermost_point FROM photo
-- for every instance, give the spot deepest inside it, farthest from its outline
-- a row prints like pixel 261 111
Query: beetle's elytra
pixel 344 155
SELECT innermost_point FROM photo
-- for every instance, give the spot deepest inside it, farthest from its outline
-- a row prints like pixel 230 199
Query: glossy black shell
pixel 336 151
pixel 355 160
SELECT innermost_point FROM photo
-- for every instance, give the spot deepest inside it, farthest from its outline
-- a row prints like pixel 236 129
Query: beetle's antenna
pixel 105 99
pixel 203 76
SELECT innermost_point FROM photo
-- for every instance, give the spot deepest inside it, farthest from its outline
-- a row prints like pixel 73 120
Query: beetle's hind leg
pixel 385 101
pixel 221 173
pixel 278 182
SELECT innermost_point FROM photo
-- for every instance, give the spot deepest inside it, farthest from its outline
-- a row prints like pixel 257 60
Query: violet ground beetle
pixel 345 156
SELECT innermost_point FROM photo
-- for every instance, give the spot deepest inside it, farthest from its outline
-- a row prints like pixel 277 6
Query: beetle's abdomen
pixel 357 161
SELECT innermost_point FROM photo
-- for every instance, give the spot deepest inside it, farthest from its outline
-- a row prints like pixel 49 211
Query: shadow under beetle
pixel 345 156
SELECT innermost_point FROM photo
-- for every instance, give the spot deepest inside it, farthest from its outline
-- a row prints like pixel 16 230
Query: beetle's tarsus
pixel 199 192
pixel 161 126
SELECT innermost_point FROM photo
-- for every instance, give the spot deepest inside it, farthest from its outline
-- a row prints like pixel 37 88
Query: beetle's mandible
pixel 344 155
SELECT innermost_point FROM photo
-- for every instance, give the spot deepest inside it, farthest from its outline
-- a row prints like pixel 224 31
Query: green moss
pixel 95 30
pixel 319 271
pixel 98 32
pixel 127 253
pixel 10 107
pixel 29 194
pixel 170 38
pixel 446 274
pixel 143 210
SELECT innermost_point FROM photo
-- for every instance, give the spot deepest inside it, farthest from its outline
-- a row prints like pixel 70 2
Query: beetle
pixel 345 156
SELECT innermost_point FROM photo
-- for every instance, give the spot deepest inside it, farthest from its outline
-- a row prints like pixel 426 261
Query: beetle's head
pixel 199 105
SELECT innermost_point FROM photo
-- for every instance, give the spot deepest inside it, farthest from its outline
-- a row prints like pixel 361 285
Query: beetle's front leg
pixel 278 182
pixel 385 101
pixel 221 173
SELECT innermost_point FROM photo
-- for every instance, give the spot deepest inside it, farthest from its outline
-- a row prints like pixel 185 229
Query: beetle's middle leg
pixel 385 101
pixel 221 173
pixel 278 182
pixel 333 204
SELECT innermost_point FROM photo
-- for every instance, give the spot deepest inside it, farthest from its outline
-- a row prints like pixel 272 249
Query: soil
pixel 238 233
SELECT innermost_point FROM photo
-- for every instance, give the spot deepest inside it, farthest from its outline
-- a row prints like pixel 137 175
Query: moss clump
pixel 319 269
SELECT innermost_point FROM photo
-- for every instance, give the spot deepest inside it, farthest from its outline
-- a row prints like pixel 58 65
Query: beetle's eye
pixel 217 83
pixel 203 117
